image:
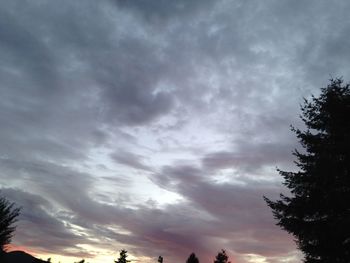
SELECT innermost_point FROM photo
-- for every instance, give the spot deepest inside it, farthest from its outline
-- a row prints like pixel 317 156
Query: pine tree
pixel 123 254
pixel 317 213
pixel 192 259
pixel 221 257
pixel 8 216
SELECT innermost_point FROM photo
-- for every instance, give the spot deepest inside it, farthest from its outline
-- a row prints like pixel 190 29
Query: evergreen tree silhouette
pixel 123 254
pixel 8 216
pixel 221 257
pixel 318 211
pixel 192 259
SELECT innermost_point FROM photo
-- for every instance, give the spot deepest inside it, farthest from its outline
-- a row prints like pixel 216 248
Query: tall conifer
pixel 317 212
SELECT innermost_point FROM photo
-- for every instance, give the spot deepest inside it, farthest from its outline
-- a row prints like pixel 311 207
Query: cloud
pixel 240 217
pixel 250 157
pixel 39 224
pixel 214 216
pixel 179 92
pixel 163 10
pixel 49 56
pixel 130 159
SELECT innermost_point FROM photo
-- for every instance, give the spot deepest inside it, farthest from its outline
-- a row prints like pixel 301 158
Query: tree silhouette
pixel 221 257
pixel 192 259
pixel 123 254
pixel 8 216
pixel 318 211
pixel 160 259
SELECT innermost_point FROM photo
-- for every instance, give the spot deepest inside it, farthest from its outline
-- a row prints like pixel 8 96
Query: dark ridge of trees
pixel 318 212
pixel 19 257
pixel 8 217
pixel 192 259
pixel 221 257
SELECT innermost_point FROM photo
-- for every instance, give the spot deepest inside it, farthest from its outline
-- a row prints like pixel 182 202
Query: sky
pixel 157 126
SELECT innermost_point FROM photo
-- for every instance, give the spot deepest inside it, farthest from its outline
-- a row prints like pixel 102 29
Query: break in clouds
pixel 156 126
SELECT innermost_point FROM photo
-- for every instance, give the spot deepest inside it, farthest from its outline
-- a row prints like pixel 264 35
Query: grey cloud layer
pixel 83 78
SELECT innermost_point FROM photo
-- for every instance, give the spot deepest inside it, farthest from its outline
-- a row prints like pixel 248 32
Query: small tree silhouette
pixel 8 216
pixel 192 259
pixel 123 254
pixel 221 257
pixel 160 259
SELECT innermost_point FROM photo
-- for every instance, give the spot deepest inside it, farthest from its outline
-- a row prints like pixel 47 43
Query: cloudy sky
pixel 157 126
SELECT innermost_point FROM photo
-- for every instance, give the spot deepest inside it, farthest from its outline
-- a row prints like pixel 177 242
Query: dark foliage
pixel 19 257
pixel 8 216
pixel 318 211
pixel 160 259
pixel 221 257
pixel 192 259
pixel 123 254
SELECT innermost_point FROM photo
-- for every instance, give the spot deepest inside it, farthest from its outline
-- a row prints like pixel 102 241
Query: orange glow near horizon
pixel 41 255
pixel 101 256
pixel 12 247
pixel 104 255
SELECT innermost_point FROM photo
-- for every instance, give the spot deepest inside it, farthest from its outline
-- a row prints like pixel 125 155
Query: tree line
pixel 221 257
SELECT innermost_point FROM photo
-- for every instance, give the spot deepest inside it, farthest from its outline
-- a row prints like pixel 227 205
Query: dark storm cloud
pixel 94 46
pixel 51 52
